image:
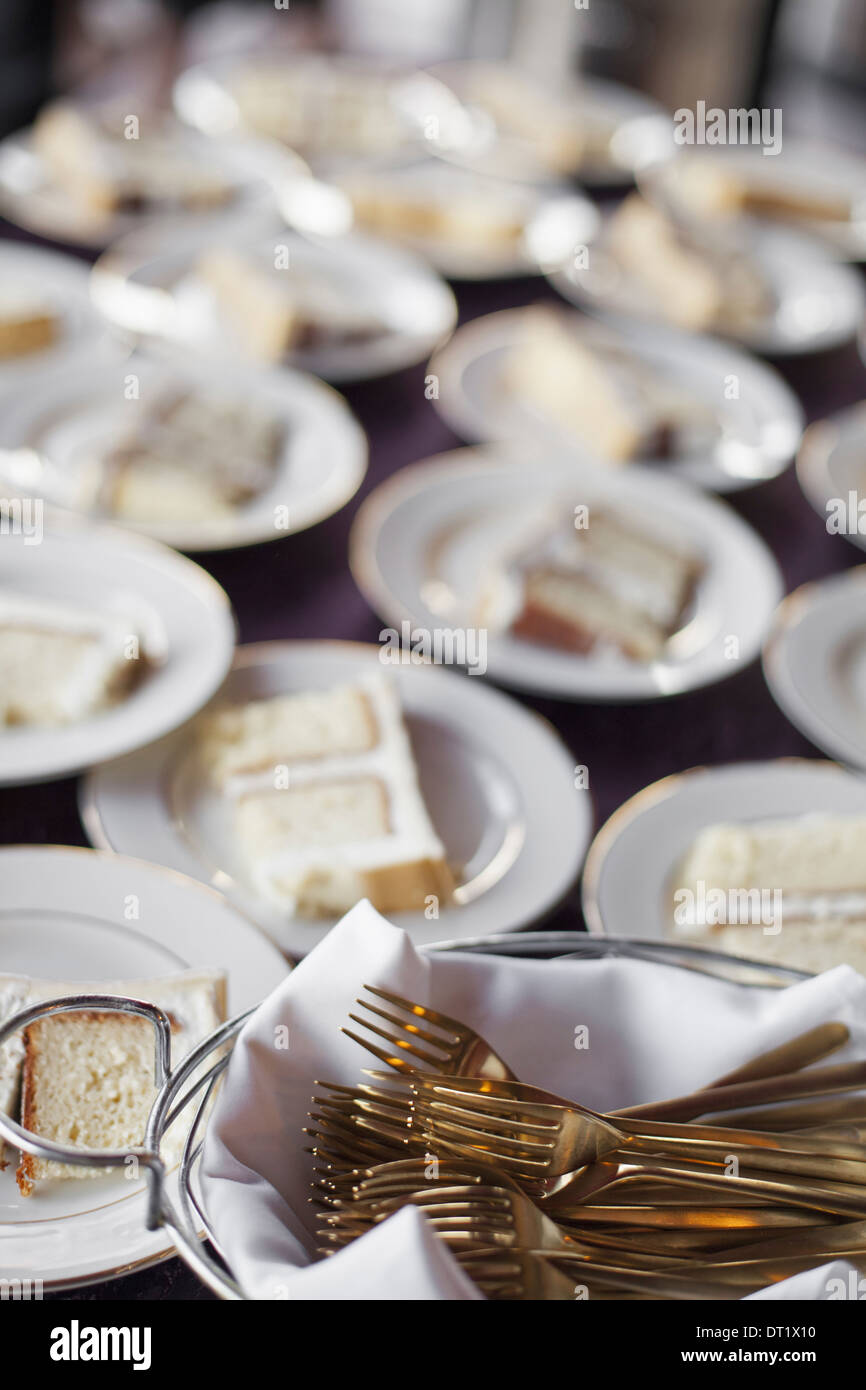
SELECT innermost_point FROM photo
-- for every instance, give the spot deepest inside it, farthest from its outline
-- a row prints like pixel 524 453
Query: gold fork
pixel 459 1050
pixel 539 1140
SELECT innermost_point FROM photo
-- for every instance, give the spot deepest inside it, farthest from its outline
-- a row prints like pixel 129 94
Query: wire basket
pixel 185 1220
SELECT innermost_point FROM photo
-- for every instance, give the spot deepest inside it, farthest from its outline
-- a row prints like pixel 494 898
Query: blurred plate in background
pixel 425 544
pixel 753 437
pixel 181 615
pixel 58 443
pixel 815 664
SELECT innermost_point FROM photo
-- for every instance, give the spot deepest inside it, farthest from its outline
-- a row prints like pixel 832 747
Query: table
pixel 301 587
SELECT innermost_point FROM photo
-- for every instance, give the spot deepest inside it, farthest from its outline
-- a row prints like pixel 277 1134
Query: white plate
pixel 831 469
pixel 802 166
pixel 626 129
pixel 499 785
pixel 80 413
pixel 629 870
pixel 756 434
pixel 819 302
pixel 147 285
pixel 815 664
pixel 64 917
pixel 554 219
pixel 182 615
pixel 30 199
pixel 421 544
pixel 62 284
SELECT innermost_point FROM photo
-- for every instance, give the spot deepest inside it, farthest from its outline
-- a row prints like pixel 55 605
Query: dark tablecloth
pixel 301 587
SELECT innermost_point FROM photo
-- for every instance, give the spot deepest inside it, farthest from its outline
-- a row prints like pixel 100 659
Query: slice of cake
pixel 432 206
pixel 523 108
pixel 318 106
pixel 816 863
pixel 59 664
pixel 28 321
pixel 713 188
pixel 88 1077
pixel 192 458
pixel 327 805
pixel 86 154
pixel 606 585
pixel 273 312
pixel 694 281
pixel 596 391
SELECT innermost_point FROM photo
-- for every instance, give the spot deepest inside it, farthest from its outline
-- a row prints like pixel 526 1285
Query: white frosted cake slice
pixel 606 585
pixel 525 108
pixel 192 458
pixel 817 863
pixel 434 205
pixel 273 312
pixel 712 188
pixel 327 804
pixel 88 1077
pixel 695 282
pixel 593 389
pixel 87 153
pixel 59 664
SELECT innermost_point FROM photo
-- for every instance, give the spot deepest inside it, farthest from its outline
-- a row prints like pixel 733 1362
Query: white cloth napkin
pixel 607 1033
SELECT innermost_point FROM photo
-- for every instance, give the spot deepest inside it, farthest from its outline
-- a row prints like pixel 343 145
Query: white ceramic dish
pixel 499 785
pixel 65 916
pixel 755 435
pixel 147 286
pixel 30 198
pixel 422 543
pixel 68 428
pixel 180 615
pixel 815 664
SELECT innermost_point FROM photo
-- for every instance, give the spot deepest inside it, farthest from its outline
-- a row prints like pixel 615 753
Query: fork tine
pixel 403 1044
pixel 398 1063
pixel 451 1025
pixel 448 1045
pixel 496 1144
pixel 508 1122
pixel 520 1167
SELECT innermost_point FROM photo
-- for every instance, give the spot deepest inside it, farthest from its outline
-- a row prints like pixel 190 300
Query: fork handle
pixel 822 1081
pixel 808 1165
pixel 812 1046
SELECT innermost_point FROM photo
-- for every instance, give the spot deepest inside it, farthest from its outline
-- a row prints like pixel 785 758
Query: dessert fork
pixel 459 1049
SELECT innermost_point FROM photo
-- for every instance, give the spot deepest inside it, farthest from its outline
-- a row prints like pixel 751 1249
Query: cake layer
pixel 812 946
pixel 266 734
pixel 570 611
pixel 24 331
pixel 802 857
